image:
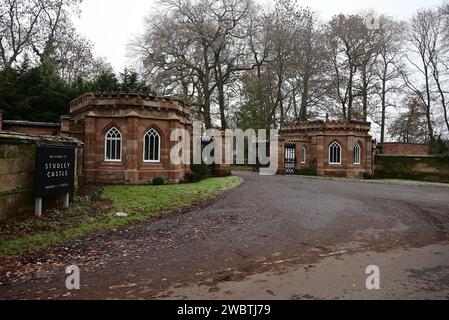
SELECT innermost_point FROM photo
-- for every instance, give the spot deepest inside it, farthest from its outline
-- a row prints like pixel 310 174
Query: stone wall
pixel 17 168
pixel 47 130
pixel 404 149
pixel 425 168
pixel 29 127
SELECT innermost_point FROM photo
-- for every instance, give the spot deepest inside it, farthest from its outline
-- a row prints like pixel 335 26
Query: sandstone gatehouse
pixel 127 136
pixel 332 148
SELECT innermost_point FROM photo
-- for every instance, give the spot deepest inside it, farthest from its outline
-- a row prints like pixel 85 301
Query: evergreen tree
pixel 130 82
pixel 106 81
pixel 10 96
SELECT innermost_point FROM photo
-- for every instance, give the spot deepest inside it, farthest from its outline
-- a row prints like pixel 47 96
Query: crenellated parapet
pixel 335 125
pixel 121 100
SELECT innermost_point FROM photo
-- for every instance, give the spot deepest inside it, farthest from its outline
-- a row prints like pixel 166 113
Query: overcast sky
pixel 111 24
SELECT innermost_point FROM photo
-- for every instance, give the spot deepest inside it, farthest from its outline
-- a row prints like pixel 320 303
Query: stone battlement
pixel 84 102
pixel 326 125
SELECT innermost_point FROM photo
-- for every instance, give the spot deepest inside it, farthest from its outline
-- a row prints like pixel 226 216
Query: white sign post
pixel 38 207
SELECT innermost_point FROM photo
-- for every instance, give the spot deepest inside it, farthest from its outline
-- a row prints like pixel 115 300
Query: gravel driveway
pixel 269 224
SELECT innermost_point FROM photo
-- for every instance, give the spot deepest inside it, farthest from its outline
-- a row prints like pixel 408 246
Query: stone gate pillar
pixel 90 147
pixel 224 169
pixel 132 149
pixel 281 156
pixel 321 154
pixel 369 165
pixel 175 171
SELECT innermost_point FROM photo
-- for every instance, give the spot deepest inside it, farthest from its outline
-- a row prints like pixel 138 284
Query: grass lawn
pixel 139 202
pixel 400 182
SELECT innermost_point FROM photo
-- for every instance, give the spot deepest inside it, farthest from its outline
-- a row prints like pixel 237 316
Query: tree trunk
pixel 280 100
pixel 206 111
pixel 365 94
pixel 350 95
pixel 221 96
pixel 304 98
pixel 436 76
pixel 428 105
pixel 384 107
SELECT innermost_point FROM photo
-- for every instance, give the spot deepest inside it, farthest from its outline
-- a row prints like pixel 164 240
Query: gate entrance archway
pixel 290 158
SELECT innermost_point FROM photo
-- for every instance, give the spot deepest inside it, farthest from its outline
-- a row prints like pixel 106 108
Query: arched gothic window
pixel 335 153
pixel 303 155
pixel 113 146
pixel 152 147
pixel 357 154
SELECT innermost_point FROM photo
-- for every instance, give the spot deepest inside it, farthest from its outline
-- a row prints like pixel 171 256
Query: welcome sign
pixel 55 170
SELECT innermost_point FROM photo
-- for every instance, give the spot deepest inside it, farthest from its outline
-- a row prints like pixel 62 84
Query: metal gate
pixel 205 141
pixel 290 158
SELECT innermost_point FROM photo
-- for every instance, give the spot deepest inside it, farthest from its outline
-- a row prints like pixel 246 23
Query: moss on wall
pixel 14 192
pixel 424 168
pixel 17 151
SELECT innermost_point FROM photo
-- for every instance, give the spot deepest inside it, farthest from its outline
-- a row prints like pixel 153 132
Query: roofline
pixel 26 123
pixel 130 95
pixel 406 143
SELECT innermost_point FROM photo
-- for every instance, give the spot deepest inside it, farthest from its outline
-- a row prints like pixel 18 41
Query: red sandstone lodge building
pixel 127 136
pixel 126 139
pixel 332 148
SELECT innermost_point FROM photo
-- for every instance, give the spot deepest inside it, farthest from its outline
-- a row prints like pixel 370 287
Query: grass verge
pixel 398 182
pixel 139 202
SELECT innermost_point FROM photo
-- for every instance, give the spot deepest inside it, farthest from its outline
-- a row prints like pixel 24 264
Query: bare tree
pixel 53 23
pixel 73 55
pixel 309 71
pixel 346 44
pixel 410 126
pixel 445 13
pixel 229 45
pixel 42 30
pixel 389 67
pixel 367 60
pixel 258 107
pixel 422 40
pixel 292 81
pixel 197 47
pixel 18 26
pixel 438 53
pixel 176 53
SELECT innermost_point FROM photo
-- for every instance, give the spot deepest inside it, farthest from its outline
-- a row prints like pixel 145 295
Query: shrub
pixel 192 177
pixel 158 181
pixel 309 171
pixel 201 170
pixel 96 195
pixel 367 176
pixel 439 147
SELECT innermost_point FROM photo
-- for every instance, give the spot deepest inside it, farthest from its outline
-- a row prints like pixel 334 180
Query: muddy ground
pixel 273 231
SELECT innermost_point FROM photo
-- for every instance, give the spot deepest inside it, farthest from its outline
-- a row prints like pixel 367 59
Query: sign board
pixel 55 170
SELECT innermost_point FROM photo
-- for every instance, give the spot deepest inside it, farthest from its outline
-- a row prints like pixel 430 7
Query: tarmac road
pixel 278 237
